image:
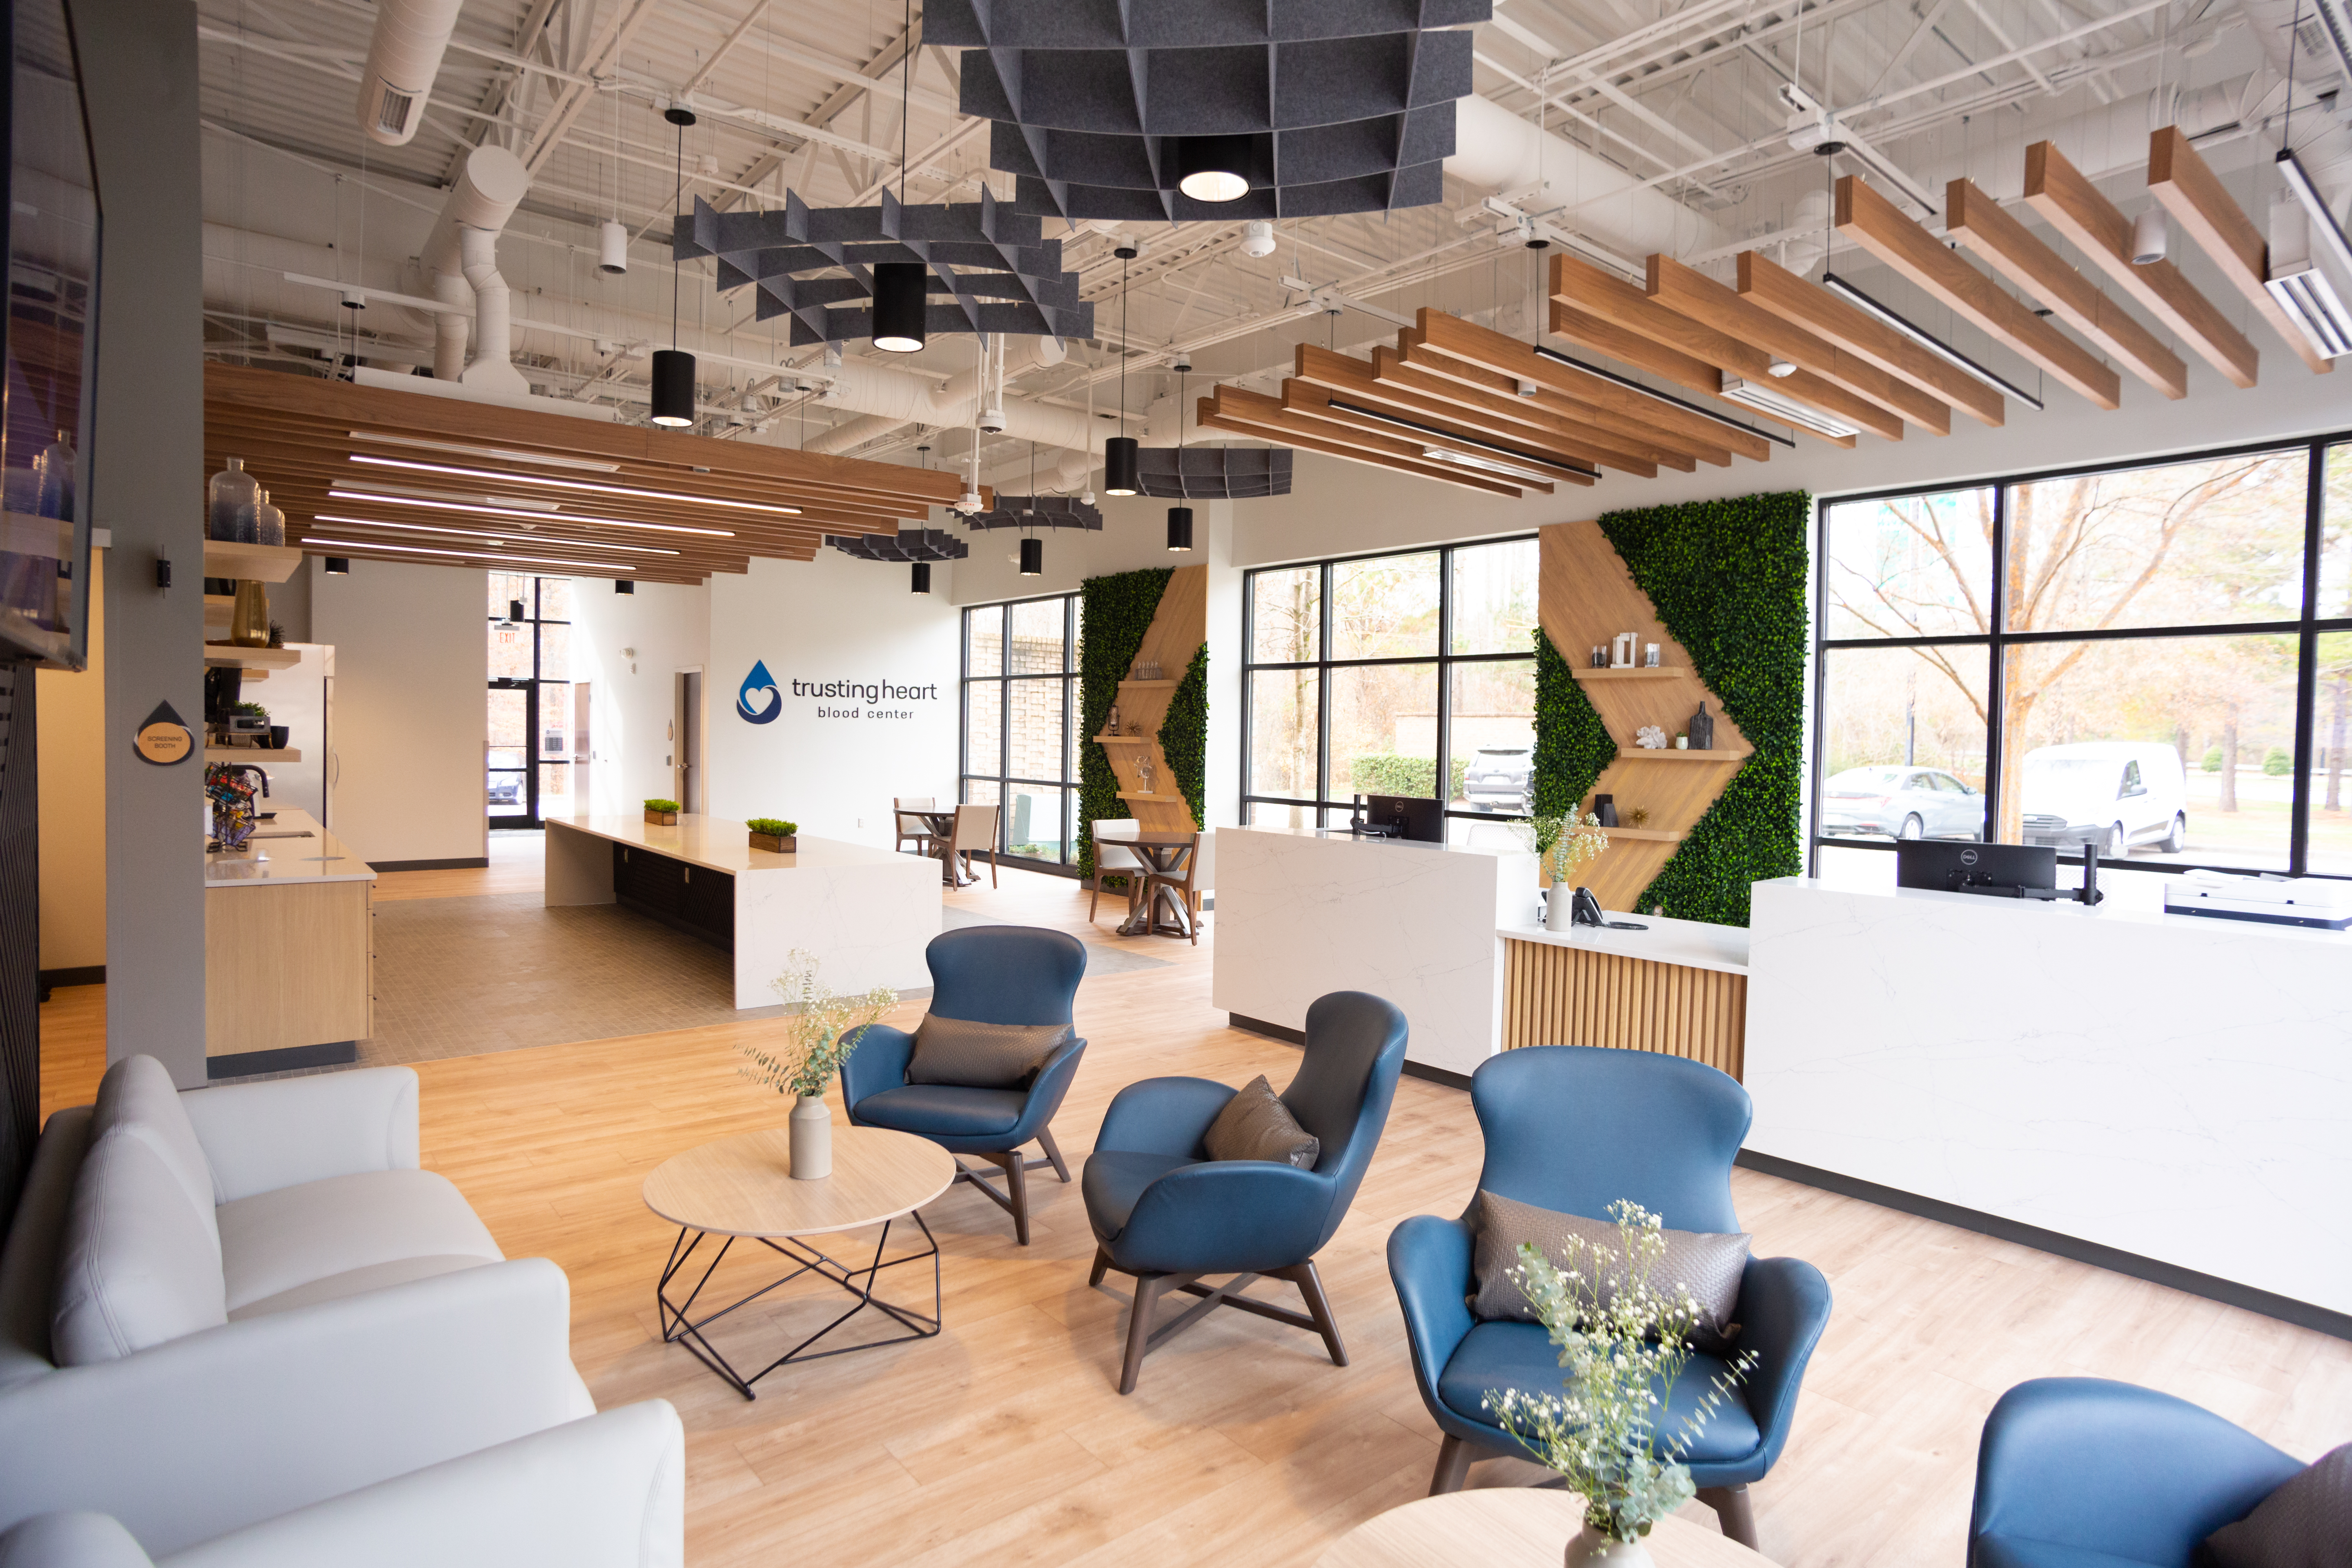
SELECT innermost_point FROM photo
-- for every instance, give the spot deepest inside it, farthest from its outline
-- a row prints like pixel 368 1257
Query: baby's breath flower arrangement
pixel 819 1032
pixel 1580 839
pixel 1622 1343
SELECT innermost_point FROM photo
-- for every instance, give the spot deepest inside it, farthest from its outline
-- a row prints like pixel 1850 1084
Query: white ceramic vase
pixel 812 1139
pixel 1591 1549
pixel 1559 907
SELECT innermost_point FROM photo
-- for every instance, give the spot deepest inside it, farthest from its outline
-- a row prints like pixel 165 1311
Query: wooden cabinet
pixel 693 898
pixel 290 973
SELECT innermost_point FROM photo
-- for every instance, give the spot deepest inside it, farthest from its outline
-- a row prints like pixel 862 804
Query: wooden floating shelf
pixel 1150 684
pixel 1123 739
pixel 1637 672
pixel 254 562
pixel 1670 755
pixel 249 754
pixel 1160 799
pixel 228 655
pixel 1647 834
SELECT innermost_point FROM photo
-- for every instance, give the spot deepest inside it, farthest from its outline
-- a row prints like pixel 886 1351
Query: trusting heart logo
pixel 758 701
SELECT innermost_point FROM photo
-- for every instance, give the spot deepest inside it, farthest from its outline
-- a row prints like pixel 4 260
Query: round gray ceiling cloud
pixel 1215 473
pixel 1341 106
pixel 907 544
pixel 1037 511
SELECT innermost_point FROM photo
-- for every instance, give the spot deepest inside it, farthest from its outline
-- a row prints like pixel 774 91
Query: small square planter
pixel 774 844
pixel 661 818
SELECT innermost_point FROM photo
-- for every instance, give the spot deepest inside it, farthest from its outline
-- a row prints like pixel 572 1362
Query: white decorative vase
pixel 812 1139
pixel 1559 907
pixel 1588 1548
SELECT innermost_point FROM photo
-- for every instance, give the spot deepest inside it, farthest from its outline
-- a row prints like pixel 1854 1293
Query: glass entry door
pixel 527 748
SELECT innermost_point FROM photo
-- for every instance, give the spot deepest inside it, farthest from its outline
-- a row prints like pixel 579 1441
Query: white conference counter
pixel 865 914
pixel 2171 1087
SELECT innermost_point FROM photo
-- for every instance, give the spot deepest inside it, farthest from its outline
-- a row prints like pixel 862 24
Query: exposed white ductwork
pixel 493 366
pixel 2322 145
pixel 892 398
pixel 1497 151
pixel 2099 141
pixel 1812 223
pixel 461 254
pixel 403 57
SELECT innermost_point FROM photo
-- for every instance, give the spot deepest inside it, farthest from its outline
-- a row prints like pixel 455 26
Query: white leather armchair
pixel 608 1491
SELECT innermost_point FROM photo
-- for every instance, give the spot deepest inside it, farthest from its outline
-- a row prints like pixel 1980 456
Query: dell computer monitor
pixel 1945 866
pixel 1419 819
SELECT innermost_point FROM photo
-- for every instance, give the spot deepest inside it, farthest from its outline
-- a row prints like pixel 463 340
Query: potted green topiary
pixel 661 813
pixel 772 834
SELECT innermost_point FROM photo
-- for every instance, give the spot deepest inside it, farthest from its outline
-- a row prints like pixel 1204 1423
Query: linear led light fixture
pixel 1930 342
pixel 463 555
pixel 1510 453
pixel 1770 400
pixel 498 454
pixel 1630 384
pixel 2323 222
pixel 527 503
pixel 493 538
pixel 530 516
pixel 2301 289
pixel 497 478
pixel 1485 465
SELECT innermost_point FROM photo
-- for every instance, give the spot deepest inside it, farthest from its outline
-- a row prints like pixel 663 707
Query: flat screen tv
pixel 50 343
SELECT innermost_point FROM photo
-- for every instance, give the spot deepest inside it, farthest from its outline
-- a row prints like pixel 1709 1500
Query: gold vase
pixel 248 622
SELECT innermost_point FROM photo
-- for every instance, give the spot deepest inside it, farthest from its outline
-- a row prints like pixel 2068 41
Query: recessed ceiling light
pixel 493 538
pixel 499 454
pixel 504 478
pixel 532 516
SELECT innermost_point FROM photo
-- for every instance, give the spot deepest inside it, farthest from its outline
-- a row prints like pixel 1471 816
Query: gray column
pixel 146 478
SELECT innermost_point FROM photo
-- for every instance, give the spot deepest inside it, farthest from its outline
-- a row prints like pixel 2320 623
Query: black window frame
pixel 534 732
pixel 1001 776
pixel 1444 661
pixel 2307 629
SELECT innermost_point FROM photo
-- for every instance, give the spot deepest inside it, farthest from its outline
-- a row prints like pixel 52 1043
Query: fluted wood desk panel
pixel 1574 997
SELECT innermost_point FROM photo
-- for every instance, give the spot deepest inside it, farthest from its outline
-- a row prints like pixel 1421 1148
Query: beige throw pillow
pixel 966 1054
pixel 1709 1267
pixel 1255 1125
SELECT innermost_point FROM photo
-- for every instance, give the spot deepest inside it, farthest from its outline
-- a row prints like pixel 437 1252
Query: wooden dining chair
pixel 912 829
pixel 1112 859
pixel 1184 884
pixel 975 834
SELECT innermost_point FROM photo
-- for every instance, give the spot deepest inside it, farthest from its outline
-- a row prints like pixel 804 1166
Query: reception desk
pixel 1448 933
pixel 864 914
pixel 290 950
pixel 2165 1094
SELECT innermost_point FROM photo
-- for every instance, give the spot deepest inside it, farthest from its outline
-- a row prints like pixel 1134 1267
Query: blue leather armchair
pixel 985 974
pixel 1167 1214
pixel 2078 1472
pixel 1576 1128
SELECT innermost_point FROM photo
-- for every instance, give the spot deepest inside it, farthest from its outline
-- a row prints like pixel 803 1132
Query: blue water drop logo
pixel 758 701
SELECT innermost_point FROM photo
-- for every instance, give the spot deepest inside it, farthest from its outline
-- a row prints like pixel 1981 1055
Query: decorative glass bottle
pixel 236 504
pixel 268 522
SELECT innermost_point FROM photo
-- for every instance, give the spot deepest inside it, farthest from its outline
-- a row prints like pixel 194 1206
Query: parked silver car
pixel 1502 779
pixel 1901 803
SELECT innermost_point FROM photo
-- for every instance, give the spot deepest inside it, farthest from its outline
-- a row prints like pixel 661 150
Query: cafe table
pixel 1165 854
pixel 942 826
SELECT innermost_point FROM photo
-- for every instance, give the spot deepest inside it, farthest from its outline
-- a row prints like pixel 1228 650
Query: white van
pixel 2113 793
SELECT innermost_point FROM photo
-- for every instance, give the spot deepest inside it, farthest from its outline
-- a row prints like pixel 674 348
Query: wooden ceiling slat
pixel 1496 408
pixel 2012 250
pixel 1647 353
pixel 1307 401
pixel 1764 283
pixel 1410 365
pixel 2181 179
pixel 2074 207
pixel 1875 224
pixel 1354 380
pixel 1263 419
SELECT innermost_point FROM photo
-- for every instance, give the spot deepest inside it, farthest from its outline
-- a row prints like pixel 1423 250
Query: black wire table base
pixel 679 1328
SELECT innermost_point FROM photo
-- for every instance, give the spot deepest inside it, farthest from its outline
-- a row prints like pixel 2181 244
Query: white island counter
pixel 865 914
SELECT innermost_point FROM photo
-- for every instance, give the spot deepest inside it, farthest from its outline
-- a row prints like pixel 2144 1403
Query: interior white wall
pixel 412 664
pixel 831 619
pixel 630 699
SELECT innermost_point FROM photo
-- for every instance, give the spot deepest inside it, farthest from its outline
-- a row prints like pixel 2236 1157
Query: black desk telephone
pixel 1584 909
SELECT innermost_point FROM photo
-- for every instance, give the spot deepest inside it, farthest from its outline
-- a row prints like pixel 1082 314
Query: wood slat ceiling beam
pixel 1766 284
pixel 2180 178
pixel 1263 418
pixel 1875 224
pixel 1437 340
pixel 1703 300
pixel 1357 381
pixel 1587 293
pixel 1444 378
pixel 2011 250
pixel 2074 207
pixel 1355 428
pixel 1499 402
pixel 574 565
pixel 1672 364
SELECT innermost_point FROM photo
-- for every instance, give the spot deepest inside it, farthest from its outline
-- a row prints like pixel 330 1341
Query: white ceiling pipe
pixel 1497 151
pixel 403 57
pixel 891 398
pixel 2099 141
pixel 490 187
pixel 493 366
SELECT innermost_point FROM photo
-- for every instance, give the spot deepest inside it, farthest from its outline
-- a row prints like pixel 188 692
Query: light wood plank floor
pixel 1005 1438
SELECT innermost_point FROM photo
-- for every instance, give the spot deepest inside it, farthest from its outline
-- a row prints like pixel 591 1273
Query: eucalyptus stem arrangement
pixel 1561 844
pixel 1623 1345
pixel 820 1031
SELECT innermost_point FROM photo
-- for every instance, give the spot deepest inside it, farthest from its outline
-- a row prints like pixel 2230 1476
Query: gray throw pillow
pixel 966 1054
pixel 1709 1267
pixel 2306 1523
pixel 1255 1125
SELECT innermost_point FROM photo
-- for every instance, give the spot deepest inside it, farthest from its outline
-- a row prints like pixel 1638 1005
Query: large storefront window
pixel 1411 674
pixel 1020 700
pixel 2125 658
pixel 528 749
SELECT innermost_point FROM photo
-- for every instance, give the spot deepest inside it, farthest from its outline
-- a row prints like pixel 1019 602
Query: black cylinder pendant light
pixel 1119 462
pixel 1032 557
pixel 1180 518
pixel 674 370
pixel 900 299
pixel 923 576
pixel 1179 528
pixel 1211 168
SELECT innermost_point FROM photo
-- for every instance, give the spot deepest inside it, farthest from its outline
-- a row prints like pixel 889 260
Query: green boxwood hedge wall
pixel 1184 735
pixel 1118 610
pixel 1392 773
pixel 1728 578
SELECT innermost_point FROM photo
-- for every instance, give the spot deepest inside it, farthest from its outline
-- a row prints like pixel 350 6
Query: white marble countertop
pixel 288 847
pixel 720 845
pixel 1694 945
pixel 2105 914
pixel 1342 836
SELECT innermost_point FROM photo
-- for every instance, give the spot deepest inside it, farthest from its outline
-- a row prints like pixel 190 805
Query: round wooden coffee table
pixel 1512 1527
pixel 741 1188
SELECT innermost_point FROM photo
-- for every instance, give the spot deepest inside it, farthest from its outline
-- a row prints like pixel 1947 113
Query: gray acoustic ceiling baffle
pixel 1347 105
pixel 907 544
pixel 1213 473
pixel 1000 272
pixel 1037 511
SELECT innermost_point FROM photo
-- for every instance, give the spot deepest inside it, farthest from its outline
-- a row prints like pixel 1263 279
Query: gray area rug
pixel 1101 957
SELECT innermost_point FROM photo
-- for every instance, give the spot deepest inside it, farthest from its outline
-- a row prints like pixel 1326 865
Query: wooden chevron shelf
pixel 1180 625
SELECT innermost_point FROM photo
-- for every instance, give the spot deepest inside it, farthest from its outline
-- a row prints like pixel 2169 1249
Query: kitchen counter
pixel 717 844
pixel 290 950
pixel 289 847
